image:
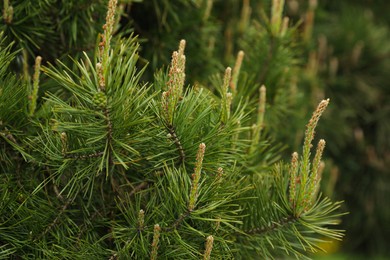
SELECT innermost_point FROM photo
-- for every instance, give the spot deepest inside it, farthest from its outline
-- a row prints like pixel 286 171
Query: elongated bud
pixel 226 79
pixel 218 223
pixel 34 94
pixel 317 185
pixel 225 109
pixel 258 127
pixel 175 84
pixel 229 99
pixel 182 46
pixel 207 11
pixel 309 180
pixel 284 28
pixel 261 109
pixel 309 20
pixel 110 17
pixel 309 136
pixel 209 247
pixel 236 71
pixel 276 16
pixel 156 239
pixel 310 128
pixel 245 16
pixel 317 157
pixel 64 142
pixel 196 176
pixel 315 173
pixel 8 12
pixel 220 172
pixel 293 179
pixel 141 220
pixel 108 27
pixel 100 74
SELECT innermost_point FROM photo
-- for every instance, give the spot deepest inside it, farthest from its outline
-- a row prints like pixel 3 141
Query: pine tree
pixel 100 161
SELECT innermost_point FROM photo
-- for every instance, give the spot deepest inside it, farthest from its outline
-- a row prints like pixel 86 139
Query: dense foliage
pixel 112 148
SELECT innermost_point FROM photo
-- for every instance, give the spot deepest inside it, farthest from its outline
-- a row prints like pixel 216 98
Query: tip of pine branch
pixel 38 59
pixel 228 71
pixel 182 46
pixel 263 89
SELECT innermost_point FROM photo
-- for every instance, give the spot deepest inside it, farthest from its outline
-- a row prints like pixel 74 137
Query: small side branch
pixel 275 225
pixel 66 155
pixel 55 221
pixel 175 139
pixel 139 187
pixel 110 131
pixel 177 222
pixel 83 156
pixel 8 135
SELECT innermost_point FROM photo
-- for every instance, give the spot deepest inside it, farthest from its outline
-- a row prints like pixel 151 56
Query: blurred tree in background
pixel 355 75
pixel 349 56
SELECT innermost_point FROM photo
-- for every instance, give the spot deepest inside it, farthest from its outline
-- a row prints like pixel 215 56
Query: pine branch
pixel 56 220
pixel 109 134
pixel 139 187
pixel 175 139
pixel 273 226
pixel 177 222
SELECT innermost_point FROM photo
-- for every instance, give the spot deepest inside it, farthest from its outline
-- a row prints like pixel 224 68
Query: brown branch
pixel 141 186
pixel 177 222
pixel 275 225
pixel 83 156
pixel 55 221
pixel 177 142
pixel 8 135
pixel 110 131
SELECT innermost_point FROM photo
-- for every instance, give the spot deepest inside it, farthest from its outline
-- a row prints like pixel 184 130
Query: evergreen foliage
pixel 353 71
pixel 99 160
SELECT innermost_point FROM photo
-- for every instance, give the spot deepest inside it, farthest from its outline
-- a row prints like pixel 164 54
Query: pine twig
pixel 83 156
pixel 141 186
pixel 109 131
pixel 55 221
pixel 175 139
pixel 9 136
pixel 177 222
pixel 275 225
